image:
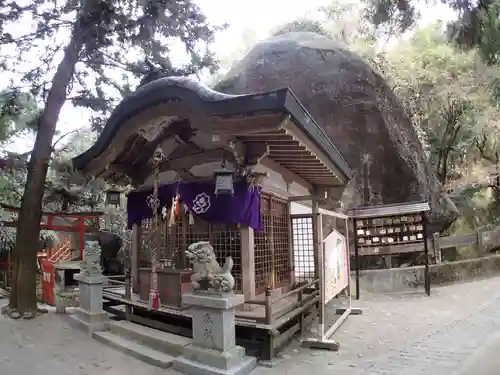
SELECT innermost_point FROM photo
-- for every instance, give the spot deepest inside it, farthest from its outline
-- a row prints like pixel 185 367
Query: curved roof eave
pixel 213 103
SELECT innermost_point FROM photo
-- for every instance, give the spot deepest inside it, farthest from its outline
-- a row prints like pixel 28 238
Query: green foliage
pixel 47 238
pixel 72 50
pixel 401 14
pixel 302 25
pixel 445 94
pixel 478 23
pixel 18 114
pixel 65 189
pixel 119 44
pixel 489 44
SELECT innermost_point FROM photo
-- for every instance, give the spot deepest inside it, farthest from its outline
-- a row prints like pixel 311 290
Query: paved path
pixel 407 334
pixel 456 331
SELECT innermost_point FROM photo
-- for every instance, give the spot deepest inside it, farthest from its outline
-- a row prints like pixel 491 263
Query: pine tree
pixel 89 52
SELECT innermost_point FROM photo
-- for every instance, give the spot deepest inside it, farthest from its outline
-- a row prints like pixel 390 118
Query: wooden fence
pixel 484 241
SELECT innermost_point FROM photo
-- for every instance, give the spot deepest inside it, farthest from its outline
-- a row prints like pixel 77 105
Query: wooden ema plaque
pixel 386 231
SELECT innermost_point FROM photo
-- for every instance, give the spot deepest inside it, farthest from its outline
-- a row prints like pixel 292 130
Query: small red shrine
pixel 75 224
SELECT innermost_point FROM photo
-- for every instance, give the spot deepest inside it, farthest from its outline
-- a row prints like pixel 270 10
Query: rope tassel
pixel 154 300
pixel 172 212
pixel 154 203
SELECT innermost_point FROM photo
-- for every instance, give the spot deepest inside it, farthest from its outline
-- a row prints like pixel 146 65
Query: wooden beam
pixel 244 124
pixel 184 174
pixel 270 139
pixel 287 174
pixel 305 140
pixel 187 162
pixel 255 153
pixel 301 198
pixel 132 126
pixel 285 160
pixel 288 148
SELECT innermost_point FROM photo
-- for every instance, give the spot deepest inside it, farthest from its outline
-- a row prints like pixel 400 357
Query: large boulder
pixel 357 110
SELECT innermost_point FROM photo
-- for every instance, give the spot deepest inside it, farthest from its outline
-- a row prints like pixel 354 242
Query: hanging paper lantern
pixel 224 181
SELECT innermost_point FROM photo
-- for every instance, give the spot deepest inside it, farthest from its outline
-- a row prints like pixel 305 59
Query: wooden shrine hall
pixel 272 153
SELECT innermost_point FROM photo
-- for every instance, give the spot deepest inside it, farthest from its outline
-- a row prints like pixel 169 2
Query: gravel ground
pixel 397 334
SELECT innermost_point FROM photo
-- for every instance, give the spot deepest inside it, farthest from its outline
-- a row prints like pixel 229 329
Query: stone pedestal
pixel 90 315
pixel 213 350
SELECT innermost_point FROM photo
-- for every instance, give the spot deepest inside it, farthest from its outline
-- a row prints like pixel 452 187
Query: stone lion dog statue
pixel 206 268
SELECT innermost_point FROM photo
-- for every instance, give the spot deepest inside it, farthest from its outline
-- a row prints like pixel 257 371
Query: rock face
pixel 357 110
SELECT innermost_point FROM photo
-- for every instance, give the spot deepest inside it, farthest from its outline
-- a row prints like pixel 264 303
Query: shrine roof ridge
pixel 395 209
pixel 212 103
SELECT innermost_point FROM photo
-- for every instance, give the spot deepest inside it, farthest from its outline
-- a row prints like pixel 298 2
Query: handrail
pixel 62 253
pixel 256 302
pixel 294 291
pixel 271 316
pixel 116 282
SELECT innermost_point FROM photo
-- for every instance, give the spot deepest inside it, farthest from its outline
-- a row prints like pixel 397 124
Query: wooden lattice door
pixel 272 245
pixel 304 259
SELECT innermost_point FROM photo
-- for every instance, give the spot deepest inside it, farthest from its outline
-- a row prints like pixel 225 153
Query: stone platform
pixel 214 350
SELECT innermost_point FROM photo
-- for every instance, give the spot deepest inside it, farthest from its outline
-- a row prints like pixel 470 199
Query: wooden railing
pixel 62 253
pixel 484 241
pixel 114 281
pixel 306 295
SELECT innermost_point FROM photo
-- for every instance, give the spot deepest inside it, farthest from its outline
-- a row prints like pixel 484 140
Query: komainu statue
pixel 91 263
pixel 208 274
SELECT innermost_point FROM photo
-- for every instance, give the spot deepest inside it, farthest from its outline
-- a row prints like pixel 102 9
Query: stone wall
pixel 411 278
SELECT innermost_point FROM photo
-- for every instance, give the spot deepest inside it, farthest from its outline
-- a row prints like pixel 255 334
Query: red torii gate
pixel 84 222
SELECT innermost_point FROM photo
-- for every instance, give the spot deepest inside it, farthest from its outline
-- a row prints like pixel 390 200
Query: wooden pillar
pixel 480 243
pixel 291 252
pixel 315 228
pixel 319 262
pixel 134 257
pixel 436 247
pixel 272 283
pixel 247 264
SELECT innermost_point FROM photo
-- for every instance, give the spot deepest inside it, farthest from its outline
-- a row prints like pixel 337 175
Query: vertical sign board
pixel 336 275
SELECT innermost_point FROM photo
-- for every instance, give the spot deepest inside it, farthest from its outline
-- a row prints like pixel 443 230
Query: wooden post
pixel 269 307
pixel 480 242
pixel 356 257
pixel 427 281
pixel 134 257
pixel 436 247
pixel 315 237
pixel 271 245
pixel 318 251
pixel 301 301
pixel 247 264
pixel 291 253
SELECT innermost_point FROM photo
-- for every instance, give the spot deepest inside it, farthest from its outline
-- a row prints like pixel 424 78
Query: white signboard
pixel 336 274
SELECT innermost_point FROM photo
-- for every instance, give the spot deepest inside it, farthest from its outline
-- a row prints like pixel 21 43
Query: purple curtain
pixel 241 208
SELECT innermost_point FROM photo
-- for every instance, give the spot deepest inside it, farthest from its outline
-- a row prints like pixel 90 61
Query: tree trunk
pixel 23 296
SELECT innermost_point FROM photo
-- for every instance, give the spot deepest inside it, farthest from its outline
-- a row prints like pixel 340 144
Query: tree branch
pixel 61 137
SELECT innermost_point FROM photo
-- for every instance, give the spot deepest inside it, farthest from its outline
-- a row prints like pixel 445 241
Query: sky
pixel 260 16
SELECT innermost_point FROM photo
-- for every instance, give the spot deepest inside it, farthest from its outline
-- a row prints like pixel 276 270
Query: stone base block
pixel 214 358
pixel 89 322
pixel 321 344
pixel 186 366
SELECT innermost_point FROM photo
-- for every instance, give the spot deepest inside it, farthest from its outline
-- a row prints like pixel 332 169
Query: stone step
pixel 134 349
pixel 155 339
